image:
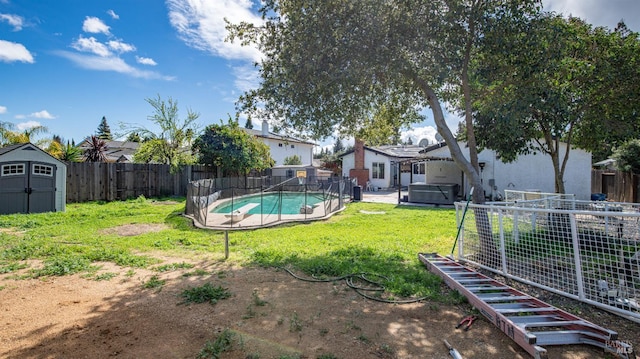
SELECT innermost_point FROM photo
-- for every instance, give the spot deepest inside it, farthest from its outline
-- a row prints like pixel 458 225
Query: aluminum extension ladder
pixel 530 322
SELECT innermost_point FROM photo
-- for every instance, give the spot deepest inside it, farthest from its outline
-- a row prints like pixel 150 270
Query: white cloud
pixel 44 114
pixel 11 51
pixel 247 77
pixel 95 26
pixel 114 64
pixel 13 20
pixel 120 47
pixel 27 125
pixel 92 45
pixel 146 61
pixel 113 14
pixel 3 110
pixel 599 13
pixel 200 24
pixel 418 133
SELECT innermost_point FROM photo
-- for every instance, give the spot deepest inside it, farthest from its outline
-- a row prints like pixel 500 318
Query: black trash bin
pixel 357 193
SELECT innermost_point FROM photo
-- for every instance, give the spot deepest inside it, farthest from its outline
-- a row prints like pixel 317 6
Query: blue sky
pixel 65 64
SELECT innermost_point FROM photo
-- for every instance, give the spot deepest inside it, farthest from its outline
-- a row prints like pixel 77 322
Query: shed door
pixel 27 187
pixel 13 184
pixel 42 188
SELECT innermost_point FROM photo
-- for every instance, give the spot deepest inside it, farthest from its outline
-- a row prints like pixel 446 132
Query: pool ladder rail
pixel 528 321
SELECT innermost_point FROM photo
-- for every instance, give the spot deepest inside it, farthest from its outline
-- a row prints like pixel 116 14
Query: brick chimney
pixel 359 172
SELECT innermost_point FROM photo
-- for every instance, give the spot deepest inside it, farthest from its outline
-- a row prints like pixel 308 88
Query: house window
pixel 279 144
pixel 43 170
pixel 12 170
pixel 378 170
pixel 289 173
pixel 292 146
pixel 418 168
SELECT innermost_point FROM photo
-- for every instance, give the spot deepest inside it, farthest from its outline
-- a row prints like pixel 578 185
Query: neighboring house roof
pixel 117 151
pixel 608 163
pixel 277 137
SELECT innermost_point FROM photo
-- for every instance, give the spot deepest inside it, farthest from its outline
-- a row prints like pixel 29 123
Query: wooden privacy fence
pixel 101 181
pixel 617 185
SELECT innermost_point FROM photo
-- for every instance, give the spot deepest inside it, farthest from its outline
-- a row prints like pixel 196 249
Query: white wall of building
pixel 530 172
pixel 370 157
pixel 281 149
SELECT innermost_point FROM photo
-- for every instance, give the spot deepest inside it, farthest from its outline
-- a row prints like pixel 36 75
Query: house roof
pixel 396 151
pixel 275 136
pixel 116 150
pixel 605 163
pixel 401 152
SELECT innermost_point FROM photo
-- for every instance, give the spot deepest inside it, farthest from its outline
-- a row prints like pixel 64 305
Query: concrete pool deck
pixel 391 197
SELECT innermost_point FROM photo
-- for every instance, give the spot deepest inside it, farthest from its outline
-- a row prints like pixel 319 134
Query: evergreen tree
pixel 338 147
pixel 104 132
pixel 249 124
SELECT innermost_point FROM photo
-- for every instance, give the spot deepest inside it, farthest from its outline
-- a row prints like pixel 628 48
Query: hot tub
pixel 433 193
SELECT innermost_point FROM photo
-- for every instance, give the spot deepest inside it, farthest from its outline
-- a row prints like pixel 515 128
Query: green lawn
pixel 352 241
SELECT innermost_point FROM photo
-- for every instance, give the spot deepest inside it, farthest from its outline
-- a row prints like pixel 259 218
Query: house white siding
pixel 528 172
pixel 281 149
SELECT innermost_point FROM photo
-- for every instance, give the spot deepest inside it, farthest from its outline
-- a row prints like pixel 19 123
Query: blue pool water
pixel 269 203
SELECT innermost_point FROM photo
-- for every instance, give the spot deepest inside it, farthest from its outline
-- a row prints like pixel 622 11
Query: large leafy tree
pixel 627 156
pixel 386 122
pixel 330 64
pixel 543 94
pixel 171 144
pixel 612 104
pixel 233 150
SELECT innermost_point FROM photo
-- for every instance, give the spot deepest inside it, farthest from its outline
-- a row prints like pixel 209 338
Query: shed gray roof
pixel 10 148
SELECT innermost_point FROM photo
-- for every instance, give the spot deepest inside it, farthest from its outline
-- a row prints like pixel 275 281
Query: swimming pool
pixel 270 202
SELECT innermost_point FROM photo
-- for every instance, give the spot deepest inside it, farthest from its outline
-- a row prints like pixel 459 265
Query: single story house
pixel 282 147
pixel 382 166
pixel 434 165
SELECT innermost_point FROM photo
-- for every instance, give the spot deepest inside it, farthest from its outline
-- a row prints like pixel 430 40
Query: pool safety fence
pixel 246 203
pixel 585 250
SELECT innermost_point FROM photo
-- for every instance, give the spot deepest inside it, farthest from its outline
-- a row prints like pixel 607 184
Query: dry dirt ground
pixel 272 314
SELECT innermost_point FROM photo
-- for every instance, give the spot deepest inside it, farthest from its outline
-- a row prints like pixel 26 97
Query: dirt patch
pixel 12 232
pixel 128 230
pixel 275 314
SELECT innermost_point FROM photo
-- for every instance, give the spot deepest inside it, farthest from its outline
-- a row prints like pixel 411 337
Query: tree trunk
pixel 488 251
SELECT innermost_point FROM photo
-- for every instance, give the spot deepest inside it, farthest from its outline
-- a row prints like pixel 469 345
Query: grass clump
pixel 11 267
pixel 105 276
pixel 205 293
pixel 64 265
pixel 154 283
pixel 214 349
pixel 173 266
